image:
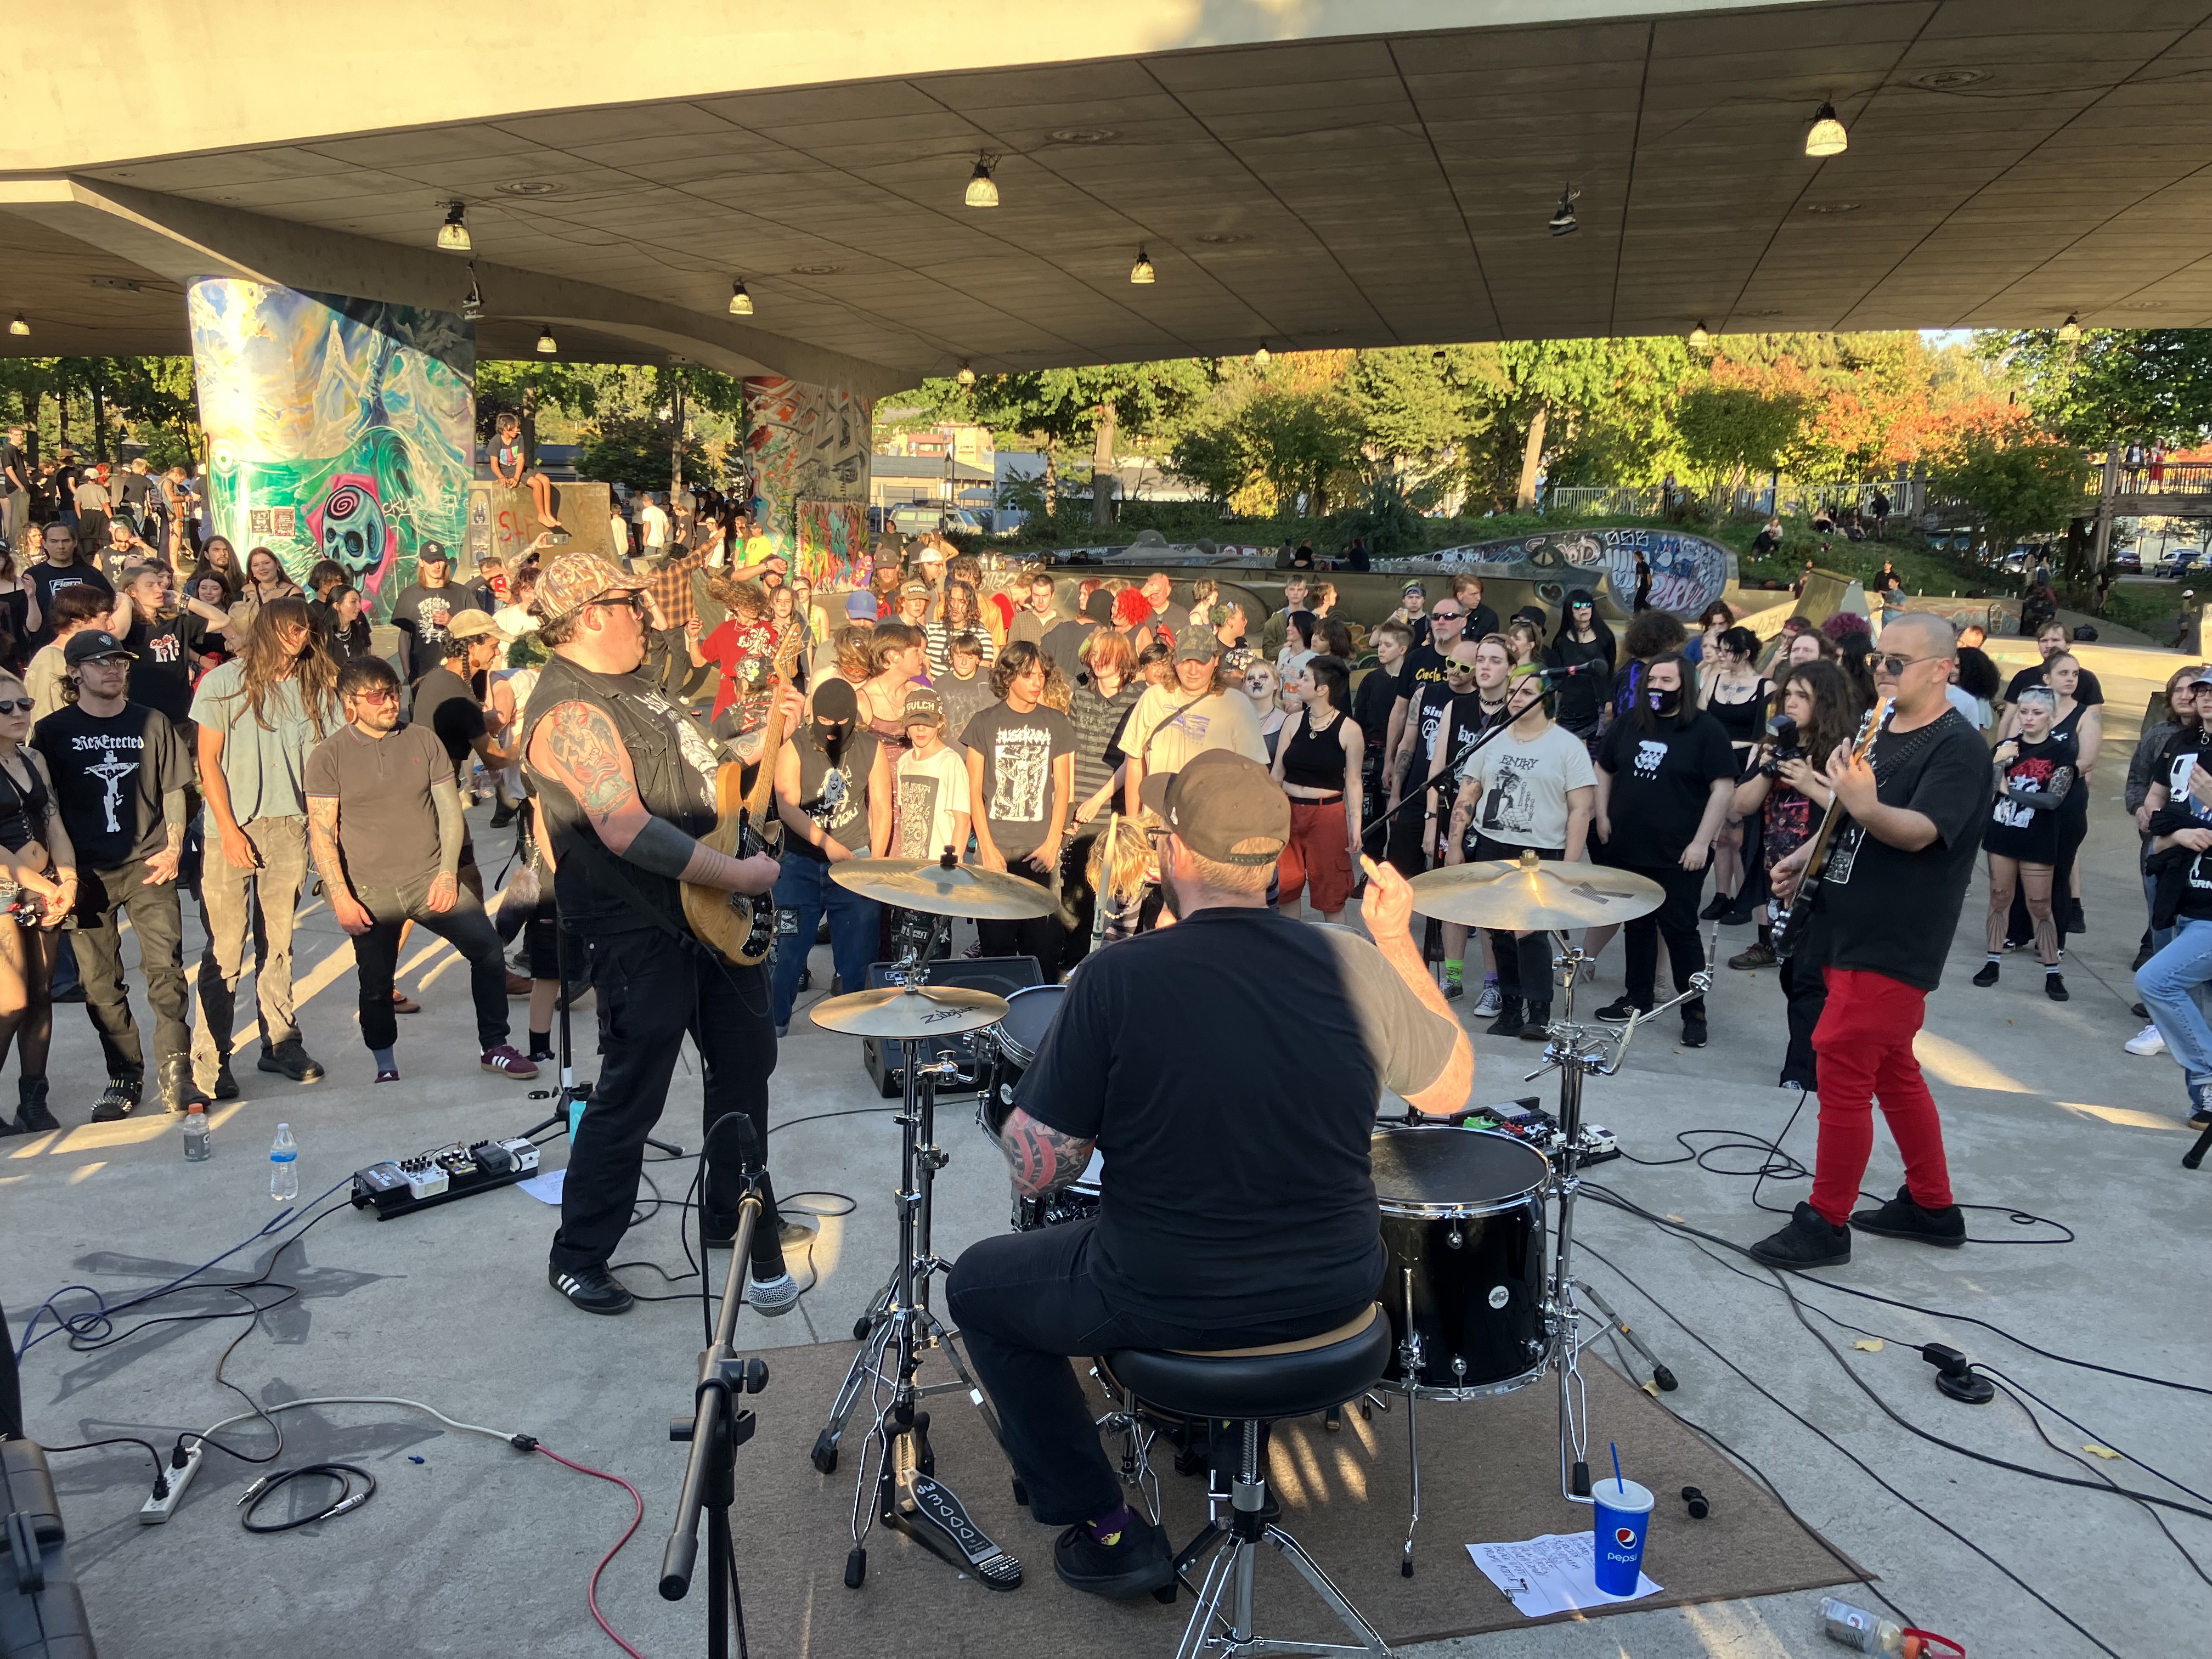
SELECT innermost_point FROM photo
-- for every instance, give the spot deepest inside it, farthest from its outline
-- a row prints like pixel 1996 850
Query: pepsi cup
pixel 1622 1514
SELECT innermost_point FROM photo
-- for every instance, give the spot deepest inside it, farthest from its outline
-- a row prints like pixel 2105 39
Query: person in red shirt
pixel 745 632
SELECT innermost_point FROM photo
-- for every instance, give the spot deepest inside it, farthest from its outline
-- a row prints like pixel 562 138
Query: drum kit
pixel 1479 1305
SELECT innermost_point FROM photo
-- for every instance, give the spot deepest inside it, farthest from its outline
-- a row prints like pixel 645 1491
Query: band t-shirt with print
pixel 1524 786
pixel 162 672
pixel 109 777
pixel 1662 779
pixel 1018 751
pixel 930 790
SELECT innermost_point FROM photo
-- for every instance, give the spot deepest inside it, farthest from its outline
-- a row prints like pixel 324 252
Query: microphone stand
pixel 717 1425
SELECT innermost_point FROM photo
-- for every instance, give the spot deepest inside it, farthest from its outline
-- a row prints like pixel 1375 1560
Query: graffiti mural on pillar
pixel 804 443
pixel 832 536
pixel 337 428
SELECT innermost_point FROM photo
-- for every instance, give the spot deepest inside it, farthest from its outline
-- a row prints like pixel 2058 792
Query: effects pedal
pixel 403 1186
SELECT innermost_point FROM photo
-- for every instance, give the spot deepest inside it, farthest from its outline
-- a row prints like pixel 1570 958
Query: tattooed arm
pixel 323 842
pixel 577 745
pixel 1041 1158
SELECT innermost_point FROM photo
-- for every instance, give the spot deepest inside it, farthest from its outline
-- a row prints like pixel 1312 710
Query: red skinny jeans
pixel 1864 1043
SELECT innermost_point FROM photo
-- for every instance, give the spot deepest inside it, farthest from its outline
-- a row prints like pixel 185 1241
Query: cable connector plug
pixel 523 1443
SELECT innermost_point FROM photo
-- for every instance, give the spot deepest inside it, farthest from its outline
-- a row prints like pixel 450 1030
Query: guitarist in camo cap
pixel 625 781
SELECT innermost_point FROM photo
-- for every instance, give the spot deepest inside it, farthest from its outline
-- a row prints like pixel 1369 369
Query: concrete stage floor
pixel 476 1550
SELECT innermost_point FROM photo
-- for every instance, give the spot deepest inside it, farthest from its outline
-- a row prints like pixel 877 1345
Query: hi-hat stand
pixel 717 1425
pixel 896 1334
pixel 1575 1051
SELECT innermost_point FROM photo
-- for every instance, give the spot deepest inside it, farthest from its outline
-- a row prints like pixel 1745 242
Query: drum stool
pixel 1247 1387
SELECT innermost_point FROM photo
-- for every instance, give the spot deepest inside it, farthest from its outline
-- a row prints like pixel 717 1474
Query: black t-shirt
pixel 1063 643
pixel 161 678
pixel 130 489
pixel 1236 1188
pixel 52 579
pixel 444 702
pixel 420 614
pixel 1432 707
pixel 12 461
pixel 1371 704
pixel 1481 623
pixel 1889 911
pixel 1423 666
pixel 1662 779
pixel 1581 697
pixel 109 778
pixel 2088 693
pixel 2017 830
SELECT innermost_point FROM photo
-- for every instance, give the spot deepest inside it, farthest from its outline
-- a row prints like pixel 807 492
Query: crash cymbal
pixel 1529 893
pixel 926 885
pixel 904 1011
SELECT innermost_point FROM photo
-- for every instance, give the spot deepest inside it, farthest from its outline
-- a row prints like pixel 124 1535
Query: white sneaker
pixel 1492 1003
pixel 2146 1041
pixel 774 1296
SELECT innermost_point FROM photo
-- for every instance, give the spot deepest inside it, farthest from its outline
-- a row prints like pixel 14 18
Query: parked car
pixel 918 518
pixel 2127 562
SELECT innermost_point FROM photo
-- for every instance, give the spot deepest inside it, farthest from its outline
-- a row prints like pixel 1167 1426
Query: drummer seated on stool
pixel 1236 1207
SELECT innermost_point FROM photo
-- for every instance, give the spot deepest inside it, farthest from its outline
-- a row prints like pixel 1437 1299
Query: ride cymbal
pixel 900 1011
pixel 928 884
pixel 1529 893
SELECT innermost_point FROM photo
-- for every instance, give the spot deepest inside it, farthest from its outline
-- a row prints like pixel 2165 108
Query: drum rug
pixel 1489 1474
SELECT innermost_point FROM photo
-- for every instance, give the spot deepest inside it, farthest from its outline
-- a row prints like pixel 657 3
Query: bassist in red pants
pixel 1880 926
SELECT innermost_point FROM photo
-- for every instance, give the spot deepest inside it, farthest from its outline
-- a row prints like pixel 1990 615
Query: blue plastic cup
pixel 1622 1515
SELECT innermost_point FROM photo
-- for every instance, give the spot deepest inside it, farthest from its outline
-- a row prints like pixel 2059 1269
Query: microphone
pixel 1591 666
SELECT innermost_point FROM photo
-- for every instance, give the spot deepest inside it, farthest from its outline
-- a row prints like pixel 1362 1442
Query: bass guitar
pixel 739 927
pixel 1789 931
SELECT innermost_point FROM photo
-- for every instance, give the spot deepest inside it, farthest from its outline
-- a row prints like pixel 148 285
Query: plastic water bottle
pixel 198 1137
pixel 1856 1628
pixel 284 1166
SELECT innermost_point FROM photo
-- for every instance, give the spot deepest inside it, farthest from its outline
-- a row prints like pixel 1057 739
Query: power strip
pixel 403 1186
pixel 154 1510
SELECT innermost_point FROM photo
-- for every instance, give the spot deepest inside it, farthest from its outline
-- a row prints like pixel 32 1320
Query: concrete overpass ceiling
pixel 2010 161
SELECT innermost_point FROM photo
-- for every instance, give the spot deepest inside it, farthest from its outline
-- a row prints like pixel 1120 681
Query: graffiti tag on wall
pixel 1688 573
pixel 804 442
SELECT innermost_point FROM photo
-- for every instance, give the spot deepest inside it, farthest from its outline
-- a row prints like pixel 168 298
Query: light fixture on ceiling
pixel 19 326
pixel 966 377
pixel 547 345
pixel 1699 337
pixel 1563 217
pixel 741 303
pixel 1142 270
pixel 1436 358
pixel 453 235
pixel 2070 329
pixel 1260 357
pixel 1827 136
pixel 982 189
pixel 472 307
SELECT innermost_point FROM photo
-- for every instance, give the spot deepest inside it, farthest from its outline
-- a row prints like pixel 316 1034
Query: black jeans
pixel 1524 965
pixel 1805 993
pixel 1026 1303
pixel 1676 922
pixel 465 927
pixel 159 923
pixel 652 991
pixel 1033 936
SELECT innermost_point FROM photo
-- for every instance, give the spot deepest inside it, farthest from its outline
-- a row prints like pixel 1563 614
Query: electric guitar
pixel 740 927
pixel 1789 931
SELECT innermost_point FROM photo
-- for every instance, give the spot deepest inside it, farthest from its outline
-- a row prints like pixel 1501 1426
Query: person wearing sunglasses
pixel 625 781
pixel 120 770
pixel 1408 738
pixel 1881 923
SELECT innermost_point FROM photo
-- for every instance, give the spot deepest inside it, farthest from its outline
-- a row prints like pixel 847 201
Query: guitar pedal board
pixel 403 1186
pixel 1527 1121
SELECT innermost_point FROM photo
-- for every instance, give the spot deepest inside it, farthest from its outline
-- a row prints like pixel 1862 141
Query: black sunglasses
pixel 9 705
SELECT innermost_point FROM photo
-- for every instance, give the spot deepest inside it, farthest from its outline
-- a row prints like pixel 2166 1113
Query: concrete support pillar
pixel 806 448
pixel 337 428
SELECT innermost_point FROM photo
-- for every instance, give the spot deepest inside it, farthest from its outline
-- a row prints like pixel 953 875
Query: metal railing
pixel 1645 501
pixel 2163 479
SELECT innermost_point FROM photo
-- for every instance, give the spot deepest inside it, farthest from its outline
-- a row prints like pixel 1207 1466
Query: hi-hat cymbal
pixel 1528 893
pixel 926 885
pixel 901 1010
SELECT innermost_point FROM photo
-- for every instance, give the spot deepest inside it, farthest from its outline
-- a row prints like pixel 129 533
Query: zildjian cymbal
pixel 1529 893
pixel 929 885
pixel 897 1011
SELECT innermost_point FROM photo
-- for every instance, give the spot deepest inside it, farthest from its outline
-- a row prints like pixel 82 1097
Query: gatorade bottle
pixel 196 1136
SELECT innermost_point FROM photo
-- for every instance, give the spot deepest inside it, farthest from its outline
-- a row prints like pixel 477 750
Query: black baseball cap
pixel 92 644
pixel 432 551
pixel 1219 800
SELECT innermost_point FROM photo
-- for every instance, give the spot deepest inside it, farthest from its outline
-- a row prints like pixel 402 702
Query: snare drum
pixel 1015 1039
pixel 1463 1225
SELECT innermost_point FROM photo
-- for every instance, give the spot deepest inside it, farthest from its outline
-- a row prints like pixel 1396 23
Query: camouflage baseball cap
pixel 573 580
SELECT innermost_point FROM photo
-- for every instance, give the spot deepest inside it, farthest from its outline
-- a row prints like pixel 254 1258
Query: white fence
pixel 1646 500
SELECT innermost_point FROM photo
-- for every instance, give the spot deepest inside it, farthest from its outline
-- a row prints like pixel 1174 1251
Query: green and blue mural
pixel 337 428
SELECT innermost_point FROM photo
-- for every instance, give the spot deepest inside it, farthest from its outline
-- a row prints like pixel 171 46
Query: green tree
pixel 525 390
pixel 1728 432
pixel 2026 488
pixel 2112 384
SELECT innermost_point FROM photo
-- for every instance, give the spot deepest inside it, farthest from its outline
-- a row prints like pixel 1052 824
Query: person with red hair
pixel 1133 617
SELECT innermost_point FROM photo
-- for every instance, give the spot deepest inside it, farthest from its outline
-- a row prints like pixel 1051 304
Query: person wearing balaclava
pixel 833 796
pixel 1665 776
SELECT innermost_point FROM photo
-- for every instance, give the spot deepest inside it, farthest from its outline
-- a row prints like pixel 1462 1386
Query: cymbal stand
pixel 1575 1051
pixel 897 1468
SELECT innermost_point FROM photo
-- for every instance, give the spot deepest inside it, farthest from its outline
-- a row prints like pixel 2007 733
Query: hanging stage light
pixel 1698 337
pixel 966 377
pixel 547 345
pixel 2070 329
pixel 1142 270
pixel 453 235
pixel 19 326
pixel 1827 136
pixel 982 189
pixel 741 303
